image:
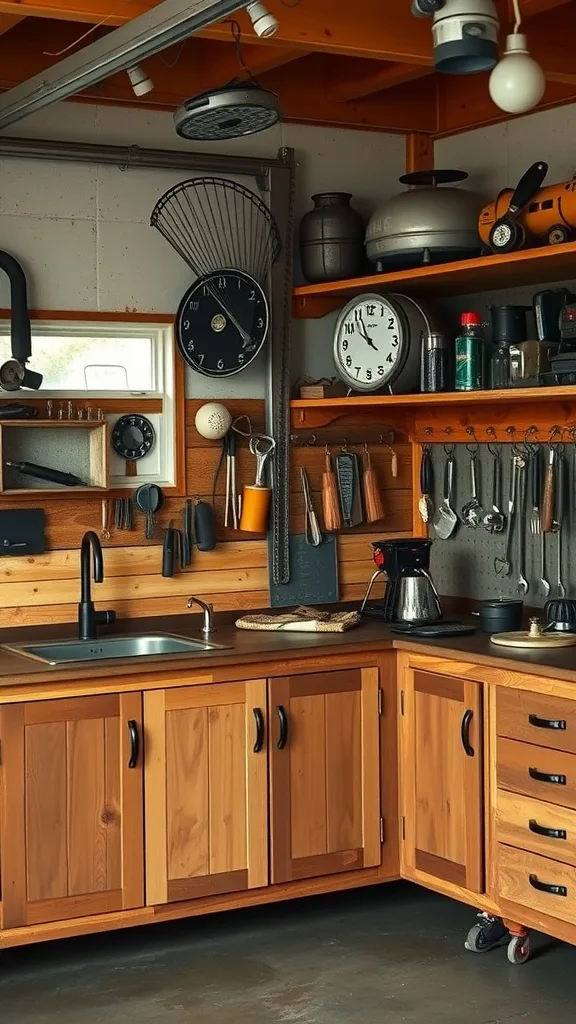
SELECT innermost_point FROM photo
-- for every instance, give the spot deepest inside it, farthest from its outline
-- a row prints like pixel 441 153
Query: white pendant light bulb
pixel 264 23
pixel 517 83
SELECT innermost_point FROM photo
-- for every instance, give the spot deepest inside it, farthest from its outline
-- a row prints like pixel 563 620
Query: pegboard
pixel 463 565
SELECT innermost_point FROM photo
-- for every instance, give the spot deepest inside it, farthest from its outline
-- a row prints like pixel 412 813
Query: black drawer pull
pixel 556 780
pixel 547 723
pixel 465 732
pixel 283 719
pixel 550 833
pixel 259 721
pixel 134 743
pixel 554 890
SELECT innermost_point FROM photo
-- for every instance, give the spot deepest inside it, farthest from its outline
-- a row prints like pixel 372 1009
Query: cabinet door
pixel 206 790
pixel 325 773
pixel 71 830
pixel 441 759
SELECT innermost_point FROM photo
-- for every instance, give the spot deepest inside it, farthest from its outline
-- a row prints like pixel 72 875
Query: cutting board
pixel 313 574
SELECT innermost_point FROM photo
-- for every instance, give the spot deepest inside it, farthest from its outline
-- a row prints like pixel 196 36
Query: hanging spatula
pixel 446 520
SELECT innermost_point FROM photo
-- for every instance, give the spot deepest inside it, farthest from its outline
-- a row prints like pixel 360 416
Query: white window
pixel 97 358
pixel 113 361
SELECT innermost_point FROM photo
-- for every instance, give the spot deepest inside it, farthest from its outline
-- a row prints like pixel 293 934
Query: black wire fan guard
pixel 215 223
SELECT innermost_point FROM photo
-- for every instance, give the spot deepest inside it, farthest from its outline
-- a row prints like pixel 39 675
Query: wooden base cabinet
pixel 235 768
pixel 71 828
pixel 324 773
pixel 441 739
pixel 206 784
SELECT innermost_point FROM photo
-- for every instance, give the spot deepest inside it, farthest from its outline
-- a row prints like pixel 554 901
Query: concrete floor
pixel 391 955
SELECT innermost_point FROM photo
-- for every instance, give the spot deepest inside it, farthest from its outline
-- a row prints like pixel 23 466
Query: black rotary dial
pixel 133 436
pixel 222 323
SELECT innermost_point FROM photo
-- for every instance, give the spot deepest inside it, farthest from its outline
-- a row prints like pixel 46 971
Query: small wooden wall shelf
pixel 502 415
pixel 96 468
pixel 486 273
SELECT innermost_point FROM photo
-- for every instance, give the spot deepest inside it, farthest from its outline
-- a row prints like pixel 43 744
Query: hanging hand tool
pixel 46 473
pixel 348 473
pixel 105 531
pixel 547 516
pixel 186 546
pixel 313 534
pixel 522 585
pixel 503 566
pixel 557 522
pixel 256 497
pixel 168 549
pixel 330 502
pixel 149 498
pixel 372 499
pixel 204 526
pixel 231 505
pixel 445 521
pixel 494 521
pixel 425 504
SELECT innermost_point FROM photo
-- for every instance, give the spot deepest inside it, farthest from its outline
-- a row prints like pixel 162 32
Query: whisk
pixel 217 224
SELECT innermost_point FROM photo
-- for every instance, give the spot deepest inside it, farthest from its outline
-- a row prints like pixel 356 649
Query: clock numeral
pixel 394 340
pixel 252 296
pixel 370 310
pixel 220 364
pixel 391 323
pixel 260 322
pixel 357 314
pixel 344 344
pixel 369 374
pixel 348 360
pixel 381 310
pixel 222 282
pixel 190 346
pixel 389 358
pixel 194 305
pixel 200 358
pixel 205 289
pixel 357 368
pixel 186 325
pixel 380 371
pixel 241 358
pixel 349 328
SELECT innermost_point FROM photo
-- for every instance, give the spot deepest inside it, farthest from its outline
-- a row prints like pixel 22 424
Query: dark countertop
pixel 246 647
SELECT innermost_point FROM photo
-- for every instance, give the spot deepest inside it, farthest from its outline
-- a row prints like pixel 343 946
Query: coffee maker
pixel 410 594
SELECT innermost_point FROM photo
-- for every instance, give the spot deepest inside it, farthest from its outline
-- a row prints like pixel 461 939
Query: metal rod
pixel 134 156
pixel 169 22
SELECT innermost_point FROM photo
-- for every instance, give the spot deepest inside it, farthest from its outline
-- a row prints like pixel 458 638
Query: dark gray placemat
pixel 313 574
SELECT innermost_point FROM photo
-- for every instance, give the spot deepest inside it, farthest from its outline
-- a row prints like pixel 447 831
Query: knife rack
pixel 77 446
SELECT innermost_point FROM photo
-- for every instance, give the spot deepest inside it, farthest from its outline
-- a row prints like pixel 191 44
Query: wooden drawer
pixel 522 876
pixel 535 825
pixel 536 718
pixel 549 775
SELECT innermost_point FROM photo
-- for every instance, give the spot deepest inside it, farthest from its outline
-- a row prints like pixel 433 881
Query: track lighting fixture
pixel 264 23
pixel 139 80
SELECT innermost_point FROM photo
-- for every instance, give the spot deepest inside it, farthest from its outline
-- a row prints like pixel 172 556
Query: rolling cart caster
pixel 488 933
pixel 519 946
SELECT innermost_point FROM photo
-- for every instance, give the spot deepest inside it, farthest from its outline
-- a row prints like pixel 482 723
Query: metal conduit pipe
pixel 134 156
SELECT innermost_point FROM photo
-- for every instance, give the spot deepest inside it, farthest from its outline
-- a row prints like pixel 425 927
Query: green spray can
pixel 470 354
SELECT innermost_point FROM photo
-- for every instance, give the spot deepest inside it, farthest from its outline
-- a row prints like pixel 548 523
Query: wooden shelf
pixel 485 273
pixel 426 416
pixel 96 456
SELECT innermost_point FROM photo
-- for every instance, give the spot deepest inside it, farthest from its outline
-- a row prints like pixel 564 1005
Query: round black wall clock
pixel 133 436
pixel 222 323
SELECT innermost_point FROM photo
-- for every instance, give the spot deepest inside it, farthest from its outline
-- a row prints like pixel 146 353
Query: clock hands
pixel 364 334
pixel 246 337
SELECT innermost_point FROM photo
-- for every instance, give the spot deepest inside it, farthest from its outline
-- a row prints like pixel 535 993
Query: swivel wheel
pixel 518 951
pixel 488 933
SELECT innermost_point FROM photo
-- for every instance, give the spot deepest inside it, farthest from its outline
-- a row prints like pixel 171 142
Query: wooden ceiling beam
pixel 322 25
pixel 8 22
pixel 376 77
pixel 529 8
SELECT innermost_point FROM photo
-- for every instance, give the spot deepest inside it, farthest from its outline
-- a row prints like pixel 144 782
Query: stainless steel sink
pixel 145 645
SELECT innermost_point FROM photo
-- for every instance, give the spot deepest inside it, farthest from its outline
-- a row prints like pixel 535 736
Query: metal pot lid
pixel 432 177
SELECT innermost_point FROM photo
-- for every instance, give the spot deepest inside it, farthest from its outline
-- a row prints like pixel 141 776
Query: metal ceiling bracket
pixel 169 22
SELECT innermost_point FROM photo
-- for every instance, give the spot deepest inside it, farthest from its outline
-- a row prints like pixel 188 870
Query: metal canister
pixel 470 354
pixel 435 363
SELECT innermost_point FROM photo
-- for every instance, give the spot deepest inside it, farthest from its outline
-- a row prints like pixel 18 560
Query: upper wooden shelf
pixel 566 392
pixel 485 273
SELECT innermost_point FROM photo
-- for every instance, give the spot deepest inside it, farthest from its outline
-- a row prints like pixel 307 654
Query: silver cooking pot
pixel 425 224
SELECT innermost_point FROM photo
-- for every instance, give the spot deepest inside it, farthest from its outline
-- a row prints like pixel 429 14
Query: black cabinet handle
pixel 556 780
pixel 547 723
pixel 465 732
pixel 134 743
pixel 550 833
pixel 259 719
pixel 283 719
pixel 554 890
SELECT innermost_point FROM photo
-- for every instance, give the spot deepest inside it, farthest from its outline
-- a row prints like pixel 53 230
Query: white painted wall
pixel 82 231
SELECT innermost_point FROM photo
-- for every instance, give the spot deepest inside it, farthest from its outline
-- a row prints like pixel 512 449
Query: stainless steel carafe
pixel 417 599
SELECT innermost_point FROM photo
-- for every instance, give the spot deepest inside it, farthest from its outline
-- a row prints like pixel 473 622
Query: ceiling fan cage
pixel 217 224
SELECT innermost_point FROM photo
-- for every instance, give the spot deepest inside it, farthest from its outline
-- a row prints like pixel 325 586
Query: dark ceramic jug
pixel 331 239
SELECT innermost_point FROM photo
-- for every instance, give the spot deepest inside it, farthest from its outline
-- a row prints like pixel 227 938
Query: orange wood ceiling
pixel 361 65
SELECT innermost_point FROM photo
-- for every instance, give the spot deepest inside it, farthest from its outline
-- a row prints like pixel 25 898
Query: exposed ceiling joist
pixel 531 7
pixel 172 21
pixel 323 25
pixel 8 22
pixel 375 78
